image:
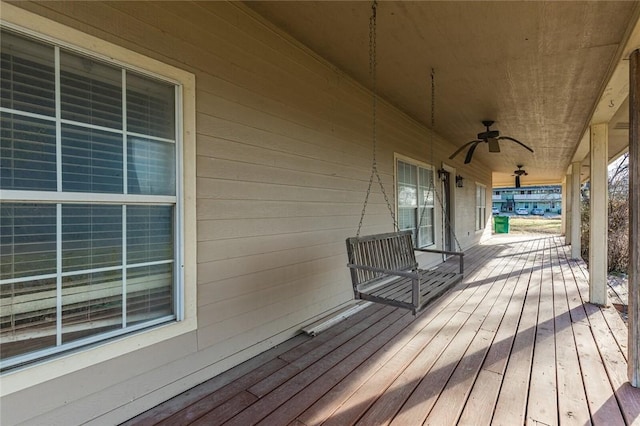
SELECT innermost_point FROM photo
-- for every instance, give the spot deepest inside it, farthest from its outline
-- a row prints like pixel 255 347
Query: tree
pixel 618 253
pixel 618 236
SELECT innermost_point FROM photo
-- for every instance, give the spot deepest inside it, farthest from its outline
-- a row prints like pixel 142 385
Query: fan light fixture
pixel 518 173
pixel 491 137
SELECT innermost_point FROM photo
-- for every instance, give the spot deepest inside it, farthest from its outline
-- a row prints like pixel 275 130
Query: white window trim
pixel 423 165
pixel 31 24
pixel 475 195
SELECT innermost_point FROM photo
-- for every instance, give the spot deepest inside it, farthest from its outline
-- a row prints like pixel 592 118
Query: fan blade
pixel 459 150
pixel 517 181
pixel 494 146
pixel 516 141
pixel 467 159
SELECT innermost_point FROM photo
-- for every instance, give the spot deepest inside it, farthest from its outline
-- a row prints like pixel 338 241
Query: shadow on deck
pixel 513 343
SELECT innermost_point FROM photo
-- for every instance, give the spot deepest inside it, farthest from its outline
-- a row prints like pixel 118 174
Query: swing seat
pixel 384 270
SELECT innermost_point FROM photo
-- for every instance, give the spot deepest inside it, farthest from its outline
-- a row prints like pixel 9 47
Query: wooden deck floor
pixel 514 343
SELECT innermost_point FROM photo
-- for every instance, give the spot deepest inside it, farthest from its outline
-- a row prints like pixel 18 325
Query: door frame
pixel 452 208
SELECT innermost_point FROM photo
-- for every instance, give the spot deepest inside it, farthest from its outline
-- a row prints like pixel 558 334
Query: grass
pixel 534 225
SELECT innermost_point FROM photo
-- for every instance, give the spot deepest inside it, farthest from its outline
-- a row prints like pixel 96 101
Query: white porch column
pixel 576 220
pixel 567 209
pixel 563 208
pixel 598 224
pixel 634 220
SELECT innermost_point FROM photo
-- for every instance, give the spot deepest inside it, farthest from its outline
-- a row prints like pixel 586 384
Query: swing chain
pixel 374 161
pixel 433 106
pixel 433 122
pixel 431 183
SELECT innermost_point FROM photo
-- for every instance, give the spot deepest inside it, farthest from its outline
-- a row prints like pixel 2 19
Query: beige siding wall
pixel 283 157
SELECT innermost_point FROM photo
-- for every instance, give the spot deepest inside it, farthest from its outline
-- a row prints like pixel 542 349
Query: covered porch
pixel 516 342
pixel 281 112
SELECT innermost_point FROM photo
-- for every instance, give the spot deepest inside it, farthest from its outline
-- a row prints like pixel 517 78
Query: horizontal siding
pixel 283 162
pixel 66 401
pixel 233 228
pixel 312 166
pixel 268 261
pixel 217 250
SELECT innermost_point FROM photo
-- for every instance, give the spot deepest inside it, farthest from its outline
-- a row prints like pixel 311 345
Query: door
pixel 446 211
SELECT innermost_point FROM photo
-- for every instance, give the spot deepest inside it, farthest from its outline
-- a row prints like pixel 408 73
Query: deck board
pixel 350 337
pixel 209 387
pixel 543 404
pixel 387 405
pixel 603 408
pixel 515 342
pixel 606 341
pixel 223 395
pixel 487 387
pixel 361 345
pixel 572 399
pixel 453 399
pixel 511 405
pixel 416 408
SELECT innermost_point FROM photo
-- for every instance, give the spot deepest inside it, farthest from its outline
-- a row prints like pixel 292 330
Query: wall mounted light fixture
pixel 442 174
pixel 459 180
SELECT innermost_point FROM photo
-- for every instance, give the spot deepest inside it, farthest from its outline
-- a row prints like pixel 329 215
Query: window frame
pixel 123 201
pixel 416 235
pixel 481 208
pixel 39 28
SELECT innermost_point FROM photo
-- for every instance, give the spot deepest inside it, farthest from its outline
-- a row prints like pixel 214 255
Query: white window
pixel 91 210
pixel 481 206
pixel 415 197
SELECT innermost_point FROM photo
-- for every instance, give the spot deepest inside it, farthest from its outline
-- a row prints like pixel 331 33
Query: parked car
pixel 522 212
pixel 538 212
pixel 495 210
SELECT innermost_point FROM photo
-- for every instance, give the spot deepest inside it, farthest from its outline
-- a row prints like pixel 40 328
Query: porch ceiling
pixel 537 68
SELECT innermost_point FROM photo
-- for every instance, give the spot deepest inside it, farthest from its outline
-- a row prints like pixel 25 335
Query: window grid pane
pixel 91 304
pixel 407 196
pixel 90 92
pixel 149 234
pixel 27 240
pixel 415 189
pixel 27 75
pixel 91 237
pixel 480 207
pixel 150 167
pixel 27 153
pixel 30 318
pixel 149 293
pixel 150 107
pixel 91 160
pixel 426 229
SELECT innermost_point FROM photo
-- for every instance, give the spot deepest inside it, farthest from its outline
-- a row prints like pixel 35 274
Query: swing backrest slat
pixel 391 251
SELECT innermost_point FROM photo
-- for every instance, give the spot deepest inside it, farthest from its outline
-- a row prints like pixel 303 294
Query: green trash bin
pixel 501 224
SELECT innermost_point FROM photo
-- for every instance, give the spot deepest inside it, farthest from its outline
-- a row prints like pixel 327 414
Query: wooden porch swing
pixel 383 267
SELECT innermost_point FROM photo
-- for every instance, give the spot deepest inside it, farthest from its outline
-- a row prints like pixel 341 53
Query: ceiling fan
pixel 489 136
pixel 518 173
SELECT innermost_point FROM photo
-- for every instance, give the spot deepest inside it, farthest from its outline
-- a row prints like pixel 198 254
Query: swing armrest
pixel 412 275
pixel 453 253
